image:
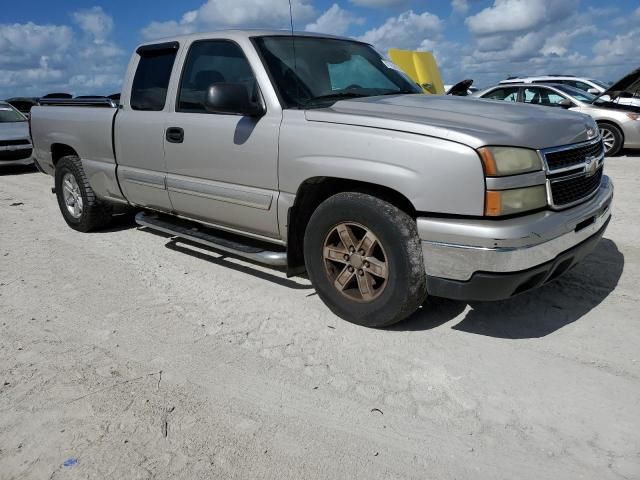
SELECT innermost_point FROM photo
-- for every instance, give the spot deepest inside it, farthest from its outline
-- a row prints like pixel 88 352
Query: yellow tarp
pixel 421 67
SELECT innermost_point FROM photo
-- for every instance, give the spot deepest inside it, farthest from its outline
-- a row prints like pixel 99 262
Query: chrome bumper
pixel 456 249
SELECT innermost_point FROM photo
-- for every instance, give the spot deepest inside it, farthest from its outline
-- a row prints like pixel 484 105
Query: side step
pixel 216 239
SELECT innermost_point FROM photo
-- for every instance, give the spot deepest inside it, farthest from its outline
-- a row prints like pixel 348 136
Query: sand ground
pixel 126 354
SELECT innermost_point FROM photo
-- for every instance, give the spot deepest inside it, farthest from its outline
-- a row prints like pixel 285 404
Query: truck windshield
pixel 311 72
pixel 9 115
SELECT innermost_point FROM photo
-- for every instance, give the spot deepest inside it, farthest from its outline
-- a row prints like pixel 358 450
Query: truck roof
pixel 238 34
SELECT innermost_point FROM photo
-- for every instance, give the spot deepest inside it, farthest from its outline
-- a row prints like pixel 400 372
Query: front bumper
pixel 496 259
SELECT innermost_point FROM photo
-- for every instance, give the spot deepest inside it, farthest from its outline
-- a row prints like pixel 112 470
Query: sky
pixel 83 47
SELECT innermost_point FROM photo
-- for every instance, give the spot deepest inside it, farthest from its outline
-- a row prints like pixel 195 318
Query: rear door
pixel 140 125
pixel 222 169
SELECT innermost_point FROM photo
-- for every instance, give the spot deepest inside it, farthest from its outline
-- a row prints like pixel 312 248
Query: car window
pixel 508 94
pixel 541 96
pixel 210 62
pixel 149 90
pixel 579 85
pixel 8 114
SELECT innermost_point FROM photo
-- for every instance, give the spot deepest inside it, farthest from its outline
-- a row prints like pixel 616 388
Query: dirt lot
pixel 126 354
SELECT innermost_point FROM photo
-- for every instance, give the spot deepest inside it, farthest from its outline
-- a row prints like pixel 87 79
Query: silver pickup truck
pixel 313 153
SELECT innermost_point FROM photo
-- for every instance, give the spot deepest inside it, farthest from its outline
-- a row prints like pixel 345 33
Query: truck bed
pixel 88 127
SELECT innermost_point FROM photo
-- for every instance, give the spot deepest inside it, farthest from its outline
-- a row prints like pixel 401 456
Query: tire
pixel 88 213
pixel 612 136
pixel 393 246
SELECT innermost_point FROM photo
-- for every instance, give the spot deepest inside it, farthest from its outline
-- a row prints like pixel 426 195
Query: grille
pixel 574 156
pixel 8 143
pixel 565 192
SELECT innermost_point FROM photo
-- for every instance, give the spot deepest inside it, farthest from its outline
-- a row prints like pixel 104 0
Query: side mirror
pixel 231 99
pixel 593 91
pixel 565 103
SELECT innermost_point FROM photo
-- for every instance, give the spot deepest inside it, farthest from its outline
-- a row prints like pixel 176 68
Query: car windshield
pixel 576 93
pixel 10 115
pixel 312 72
pixel 600 84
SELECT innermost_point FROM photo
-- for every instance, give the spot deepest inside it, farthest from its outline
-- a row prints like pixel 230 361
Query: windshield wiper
pixel 333 96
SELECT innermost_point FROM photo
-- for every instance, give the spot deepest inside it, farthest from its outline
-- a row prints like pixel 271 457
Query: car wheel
pixel 611 137
pixel 78 204
pixel 364 257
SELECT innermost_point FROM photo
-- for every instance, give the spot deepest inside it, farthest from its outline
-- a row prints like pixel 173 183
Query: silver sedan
pixel 619 125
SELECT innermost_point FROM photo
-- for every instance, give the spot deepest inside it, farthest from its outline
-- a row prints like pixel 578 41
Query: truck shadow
pixel 534 314
pixel 219 258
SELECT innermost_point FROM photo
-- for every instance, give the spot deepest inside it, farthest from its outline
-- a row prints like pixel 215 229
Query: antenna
pixel 293 44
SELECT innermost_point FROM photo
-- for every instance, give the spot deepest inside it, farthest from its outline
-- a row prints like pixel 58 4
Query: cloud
pixel 518 15
pixel 406 31
pixel 37 59
pixel 379 3
pixel 95 22
pixel 460 6
pixel 217 14
pixel 334 21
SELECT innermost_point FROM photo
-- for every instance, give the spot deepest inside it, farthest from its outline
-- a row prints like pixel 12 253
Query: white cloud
pixel 406 31
pixel 460 6
pixel 379 3
pixel 334 21
pixel 94 22
pixel 518 15
pixel 37 59
pixel 216 14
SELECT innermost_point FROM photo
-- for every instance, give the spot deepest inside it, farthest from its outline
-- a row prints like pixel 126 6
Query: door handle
pixel 175 135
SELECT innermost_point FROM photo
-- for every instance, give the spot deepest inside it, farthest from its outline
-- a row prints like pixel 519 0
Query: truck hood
pixel 465 120
pixel 14 131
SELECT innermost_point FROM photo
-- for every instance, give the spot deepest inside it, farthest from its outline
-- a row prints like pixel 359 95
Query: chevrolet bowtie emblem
pixel 591 167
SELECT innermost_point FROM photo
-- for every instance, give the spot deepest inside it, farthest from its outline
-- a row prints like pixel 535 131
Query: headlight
pixel 501 161
pixel 509 202
pixel 633 116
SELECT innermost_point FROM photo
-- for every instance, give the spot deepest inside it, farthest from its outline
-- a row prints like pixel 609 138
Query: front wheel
pixel 78 204
pixel 364 257
pixel 612 139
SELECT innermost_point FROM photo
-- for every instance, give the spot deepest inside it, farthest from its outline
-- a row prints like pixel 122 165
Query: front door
pixel 222 169
pixel 139 129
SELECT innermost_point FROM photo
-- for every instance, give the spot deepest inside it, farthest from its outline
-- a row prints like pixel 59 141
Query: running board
pixel 198 233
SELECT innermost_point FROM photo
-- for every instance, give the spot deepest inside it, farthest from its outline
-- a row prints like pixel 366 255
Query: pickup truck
pixel 314 154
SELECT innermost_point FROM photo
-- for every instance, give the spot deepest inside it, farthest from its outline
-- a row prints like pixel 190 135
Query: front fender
pixel 434 174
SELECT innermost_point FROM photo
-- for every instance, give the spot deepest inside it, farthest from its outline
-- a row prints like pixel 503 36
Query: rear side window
pixel 150 84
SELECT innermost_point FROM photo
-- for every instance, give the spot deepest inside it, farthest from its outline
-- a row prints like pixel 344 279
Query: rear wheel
pixel 78 204
pixel 364 258
pixel 612 139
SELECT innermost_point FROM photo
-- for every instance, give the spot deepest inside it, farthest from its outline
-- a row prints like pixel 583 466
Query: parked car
pixel 619 125
pixel 23 104
pixel 15 142
pixel 323 158
pixel 595 87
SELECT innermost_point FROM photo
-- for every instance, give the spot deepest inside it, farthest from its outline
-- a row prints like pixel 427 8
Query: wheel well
pixel 316 190
pixel 59 150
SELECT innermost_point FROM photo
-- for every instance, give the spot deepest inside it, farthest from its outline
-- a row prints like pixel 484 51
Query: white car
pixel 595 87
pixel 15 141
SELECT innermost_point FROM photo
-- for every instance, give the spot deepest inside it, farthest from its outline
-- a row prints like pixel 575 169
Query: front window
pixel 315 72
pixel 8 114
